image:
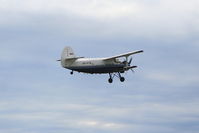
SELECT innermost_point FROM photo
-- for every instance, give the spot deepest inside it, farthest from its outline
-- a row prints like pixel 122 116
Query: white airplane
pixel 111 65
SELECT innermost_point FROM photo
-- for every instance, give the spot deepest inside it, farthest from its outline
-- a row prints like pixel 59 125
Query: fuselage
pixel 94 65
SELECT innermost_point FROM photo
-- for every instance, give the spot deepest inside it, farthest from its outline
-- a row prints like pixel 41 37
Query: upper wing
pixel 124 55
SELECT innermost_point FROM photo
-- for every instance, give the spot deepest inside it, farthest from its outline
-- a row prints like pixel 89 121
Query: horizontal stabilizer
pixel 72 58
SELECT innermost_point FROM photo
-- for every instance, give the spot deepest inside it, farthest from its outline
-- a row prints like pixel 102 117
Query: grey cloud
pixel 37 95
pixel 167 116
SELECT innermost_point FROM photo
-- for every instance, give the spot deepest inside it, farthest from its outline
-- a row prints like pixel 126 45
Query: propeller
pixel 129 63
pixel 132 70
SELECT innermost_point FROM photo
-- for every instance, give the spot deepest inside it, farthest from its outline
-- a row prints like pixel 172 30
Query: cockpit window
pixel 117 60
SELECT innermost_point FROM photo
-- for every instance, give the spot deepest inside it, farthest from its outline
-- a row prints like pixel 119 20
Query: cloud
pixel 174 78
pixel 37 95
pixel 88 8
pixel 85 117
pixel 129 18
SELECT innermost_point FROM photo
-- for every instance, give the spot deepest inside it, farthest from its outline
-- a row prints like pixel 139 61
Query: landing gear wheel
pixel 110 80
pixel 122 79
pixel 71 72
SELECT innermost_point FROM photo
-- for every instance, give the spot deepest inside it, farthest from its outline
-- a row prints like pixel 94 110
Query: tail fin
pixel 67 53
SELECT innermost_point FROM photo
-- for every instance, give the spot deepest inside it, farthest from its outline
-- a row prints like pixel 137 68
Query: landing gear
pixel 112 75
pixel 71 72
pixel 122 79
pixel 110 80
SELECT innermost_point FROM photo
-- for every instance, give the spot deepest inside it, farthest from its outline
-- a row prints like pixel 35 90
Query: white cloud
pixel 174 78
pixel 89 8
pixel 171 18
pixel 101 124
pixel 130 117
pixel 83 105
pixel 93 115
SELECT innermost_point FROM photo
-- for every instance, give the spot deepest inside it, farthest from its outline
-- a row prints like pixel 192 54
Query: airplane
pixel 113 66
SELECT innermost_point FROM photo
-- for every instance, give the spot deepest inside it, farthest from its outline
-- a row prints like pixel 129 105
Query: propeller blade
pixel 130 61
pixel 132 70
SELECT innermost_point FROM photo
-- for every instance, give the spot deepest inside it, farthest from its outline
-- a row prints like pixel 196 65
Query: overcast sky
pixel 38 96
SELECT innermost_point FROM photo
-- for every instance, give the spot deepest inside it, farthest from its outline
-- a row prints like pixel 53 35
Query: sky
pixel 37 95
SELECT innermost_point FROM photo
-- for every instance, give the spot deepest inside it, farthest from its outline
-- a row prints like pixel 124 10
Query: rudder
pixel 67 53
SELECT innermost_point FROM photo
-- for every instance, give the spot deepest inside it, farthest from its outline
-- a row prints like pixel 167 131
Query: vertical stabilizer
pixel 67 53
pixel 67 57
